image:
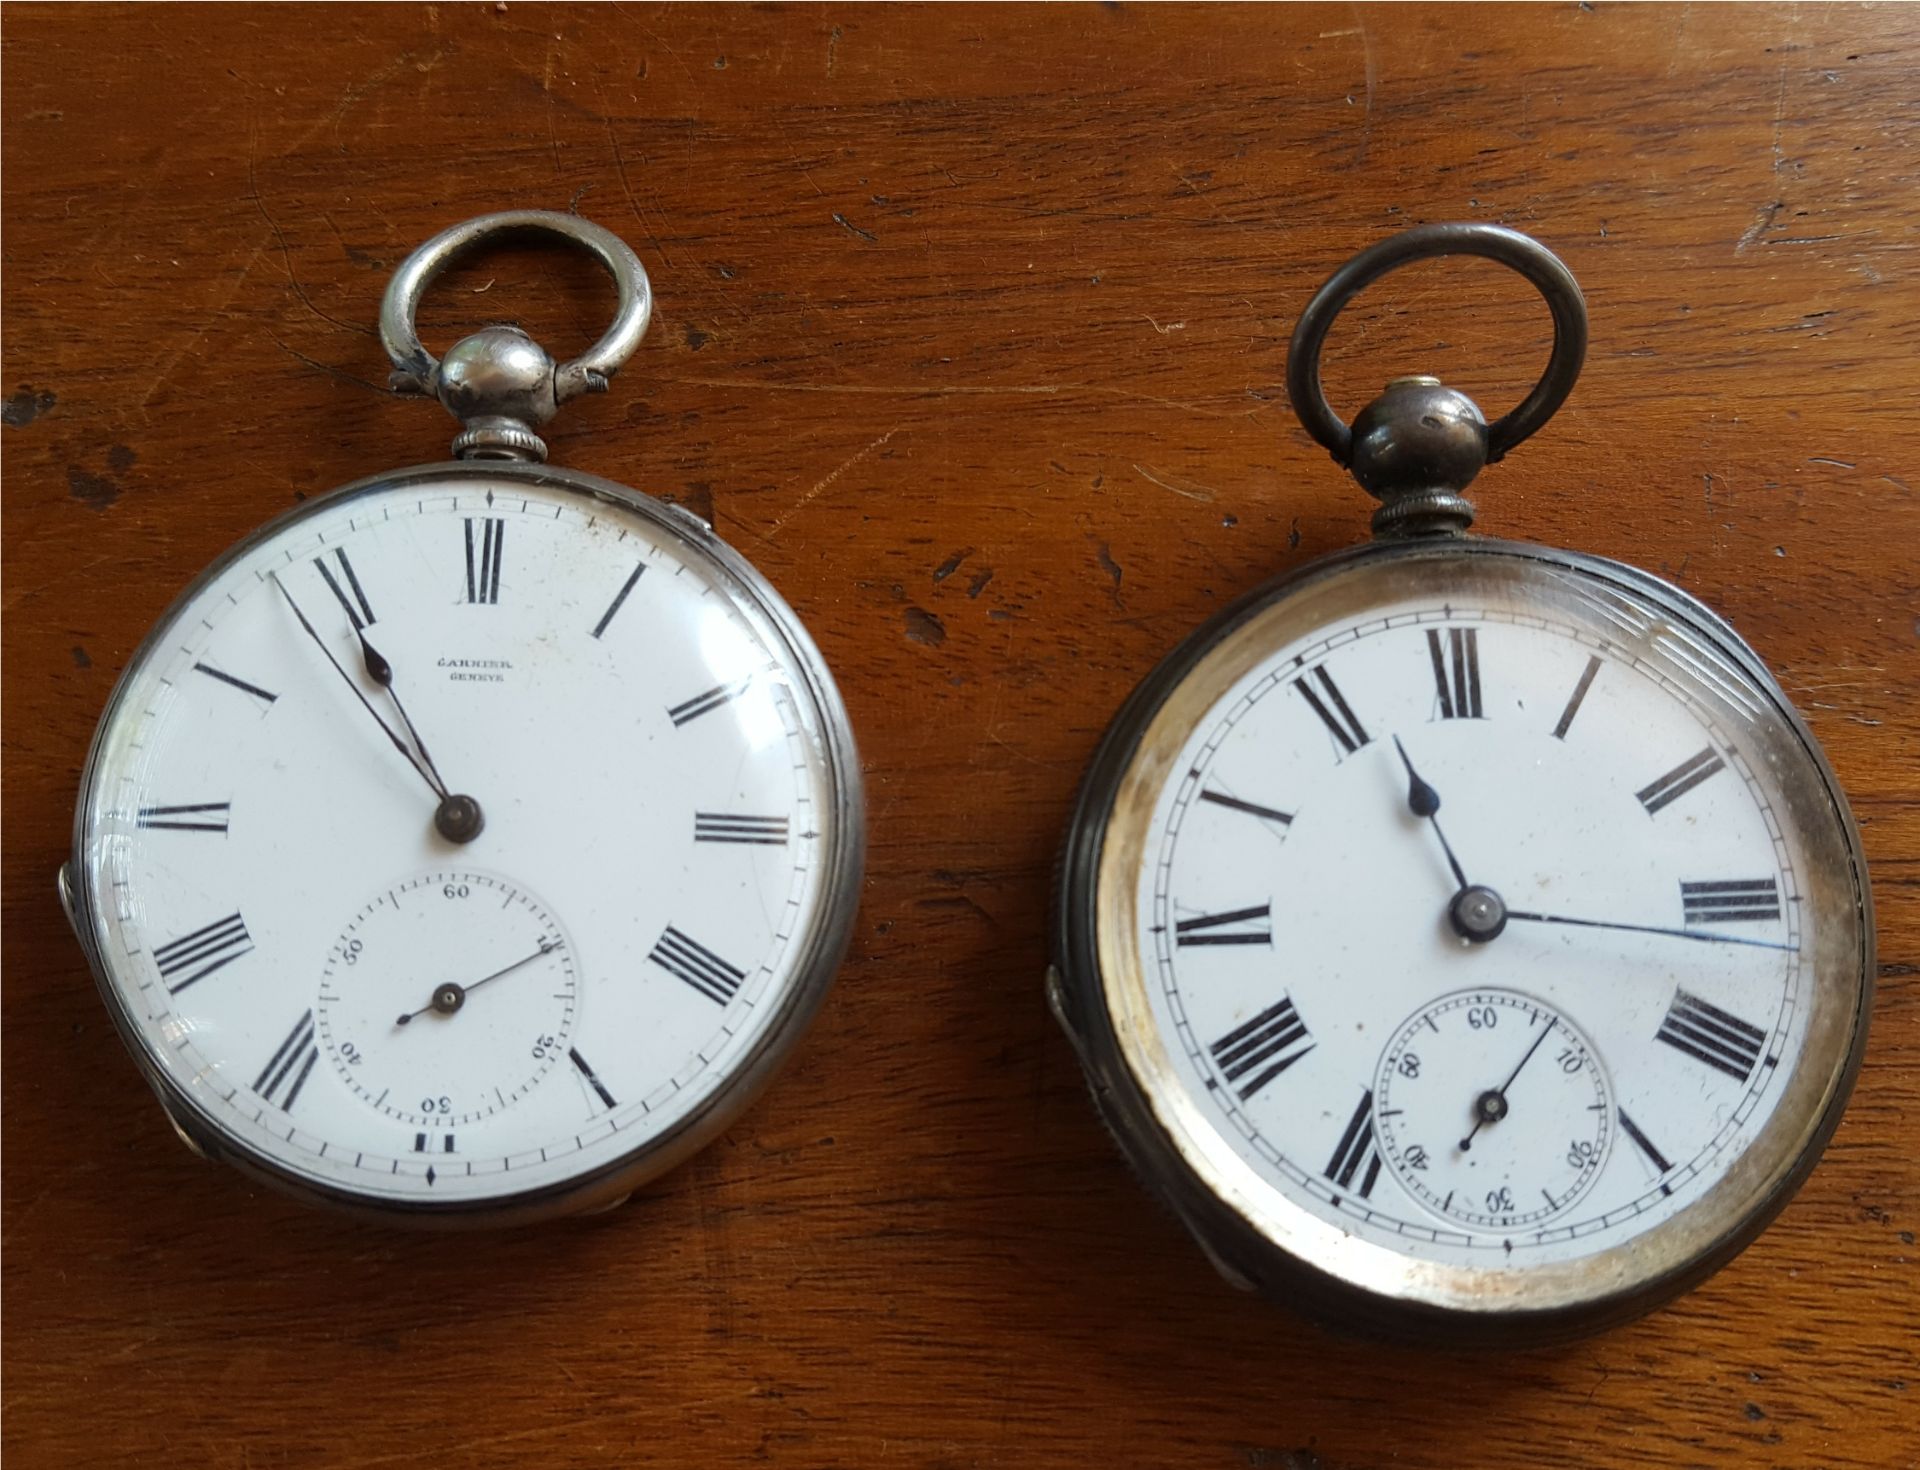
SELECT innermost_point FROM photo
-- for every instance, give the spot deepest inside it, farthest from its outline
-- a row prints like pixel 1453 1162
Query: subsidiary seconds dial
pixel 1492 1109
pixel 448 998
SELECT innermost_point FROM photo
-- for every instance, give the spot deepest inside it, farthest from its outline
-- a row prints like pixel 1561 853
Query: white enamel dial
pixel 1461 916
pixel 339 991
pixel 1337 911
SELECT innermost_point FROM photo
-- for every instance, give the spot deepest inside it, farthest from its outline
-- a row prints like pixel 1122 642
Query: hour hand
pixel 346 678
pixel 1424 802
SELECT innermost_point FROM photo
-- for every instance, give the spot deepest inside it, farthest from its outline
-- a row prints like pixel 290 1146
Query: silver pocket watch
pixel 1465 938
pixel 470 844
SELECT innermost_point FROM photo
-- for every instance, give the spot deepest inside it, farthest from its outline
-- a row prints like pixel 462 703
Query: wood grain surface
pixel 970 330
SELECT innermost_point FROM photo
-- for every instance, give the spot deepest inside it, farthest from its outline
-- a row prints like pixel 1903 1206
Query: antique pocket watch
pixel 470 843
pixel 1466 939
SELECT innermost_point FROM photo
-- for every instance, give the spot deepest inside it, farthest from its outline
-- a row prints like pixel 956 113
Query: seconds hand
pixel 1490 1107
pixel 449 997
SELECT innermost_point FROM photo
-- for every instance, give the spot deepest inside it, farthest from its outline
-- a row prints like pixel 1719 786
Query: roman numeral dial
pixel 1475 927
pixel 350 995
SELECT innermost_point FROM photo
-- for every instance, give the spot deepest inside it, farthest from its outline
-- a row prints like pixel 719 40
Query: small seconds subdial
pixel 448 999
pixel 1492 1109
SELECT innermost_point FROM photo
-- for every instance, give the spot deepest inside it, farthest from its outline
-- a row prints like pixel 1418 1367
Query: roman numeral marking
pixel 1680 780
pixel 205 816
pixel 1643 1143
pixel 357 607
pixel 1356 1149
pixel 1219 928
pixel 593 1081
pixel 483 580
pixel 1730 902
pixel 1333 710
pixel 1708 1034
pixel 197 955
pixel 1267 1045
pixel 699 966
pixel 254 689
pixel 1456 672
pixel 282 1078
pixel 1579 693
pixel 618 598
pixel 722 827
pixel 706 703
pixel 433 1143
pixel 1251 808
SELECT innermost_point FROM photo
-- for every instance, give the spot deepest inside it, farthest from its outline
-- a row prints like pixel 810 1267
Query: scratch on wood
pixel 1197 492
pixel 847 224
pixel 827 479
pixel 286 252
pixel 1762 223
pixel 1822 459
pixel 1372 66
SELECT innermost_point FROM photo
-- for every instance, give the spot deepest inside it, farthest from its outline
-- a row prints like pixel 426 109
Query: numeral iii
pixel 726 827
pixel 1731 901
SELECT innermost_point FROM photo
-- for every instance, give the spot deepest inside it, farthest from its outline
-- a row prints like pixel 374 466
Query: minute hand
pixel 1693 934
pixel 385 729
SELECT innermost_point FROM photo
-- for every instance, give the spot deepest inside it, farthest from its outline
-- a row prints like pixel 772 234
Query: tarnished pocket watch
pixel 1466 939
pixel 472 842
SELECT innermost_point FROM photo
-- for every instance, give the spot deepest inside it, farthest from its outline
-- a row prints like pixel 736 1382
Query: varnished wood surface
pixel 970 332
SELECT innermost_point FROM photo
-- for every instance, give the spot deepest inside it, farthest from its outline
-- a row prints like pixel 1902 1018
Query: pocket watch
pixel 1465 938
pixel 472 842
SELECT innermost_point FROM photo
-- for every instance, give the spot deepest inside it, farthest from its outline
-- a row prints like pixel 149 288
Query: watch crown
pixel 1415 448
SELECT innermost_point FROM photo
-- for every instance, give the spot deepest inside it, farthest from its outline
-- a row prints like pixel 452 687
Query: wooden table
pixel 970 329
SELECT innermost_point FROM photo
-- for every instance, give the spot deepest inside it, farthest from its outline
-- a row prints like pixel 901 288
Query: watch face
pixel 1481 931
pixel 470 837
